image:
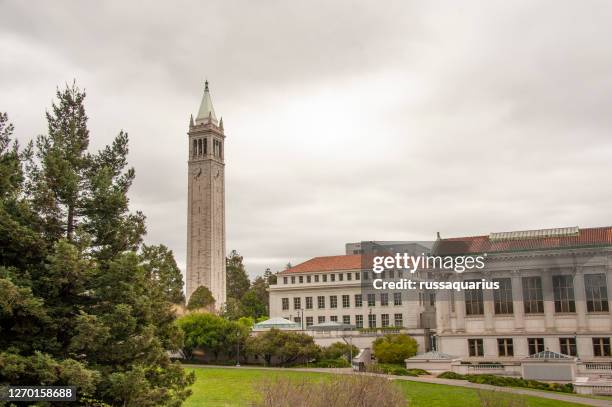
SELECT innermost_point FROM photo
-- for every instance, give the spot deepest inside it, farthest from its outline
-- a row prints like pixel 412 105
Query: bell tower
pixel 206 202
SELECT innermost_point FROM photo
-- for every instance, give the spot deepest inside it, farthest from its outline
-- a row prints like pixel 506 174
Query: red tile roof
pixel 590 237
pixel 327 263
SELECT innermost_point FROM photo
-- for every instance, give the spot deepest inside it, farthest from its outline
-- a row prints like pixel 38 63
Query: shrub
pixel 451 375
pixel 339 391
pixel 340 362
pixel 504 381
pixel 384 368
pixel 394 348
pixel 339 349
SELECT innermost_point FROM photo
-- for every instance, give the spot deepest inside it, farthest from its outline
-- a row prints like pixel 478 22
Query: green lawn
pixel 236 387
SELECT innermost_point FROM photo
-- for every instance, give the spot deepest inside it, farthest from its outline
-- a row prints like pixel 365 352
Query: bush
pixel 504 381
pixel 339 391
pixel 394 348
pixel 340 362
pixel 338 350
pixel 452 376
pixel 384 368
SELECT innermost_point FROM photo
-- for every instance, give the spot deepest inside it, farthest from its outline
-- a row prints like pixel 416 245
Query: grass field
pixel 235 387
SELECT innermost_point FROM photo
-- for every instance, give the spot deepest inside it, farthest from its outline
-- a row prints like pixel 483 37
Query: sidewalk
pixel 434 380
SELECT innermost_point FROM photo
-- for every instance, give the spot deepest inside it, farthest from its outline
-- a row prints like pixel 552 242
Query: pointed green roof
pixel 206 108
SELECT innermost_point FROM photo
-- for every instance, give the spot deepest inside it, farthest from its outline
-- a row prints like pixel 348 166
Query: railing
pixel 605 366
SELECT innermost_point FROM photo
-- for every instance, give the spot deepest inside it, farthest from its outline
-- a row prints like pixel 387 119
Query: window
pixel 391 274
pixel 399 322
pixel 475 347
pixel 397 298
pixel 297 320
pixel 384 299
pixel 332 277
pixel 365 275
pixel 357 276
pixel 346 319
pixel 452 301
pixel 292 279
pixel 346 301
pixel 316 278
pixel 297 303
pixel 473 301
pixel 349 276
pixel 333 301
pixel 371 300
pixel 340 277
pixel 321 319
pixel 596 292
pixel 505 347
pixel 308 279
pixel 301 279
pixel 321 301
pixel 502 297
pixel 601 346
pixel 324 278
pixel 371 321
pixel 285 302
pixel 568 346
pixel 358 300
pixel 536 345
pixel 563 288
pixel 333 318
pixel 359 321
pixel 308 302
pixel 384 319
pixel 285 280
pixel 532 295
pixel 309 321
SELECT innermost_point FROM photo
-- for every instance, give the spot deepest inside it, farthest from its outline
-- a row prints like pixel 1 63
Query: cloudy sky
pixel 345 120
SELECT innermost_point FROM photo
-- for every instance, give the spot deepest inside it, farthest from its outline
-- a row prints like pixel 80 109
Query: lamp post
pixel 238 352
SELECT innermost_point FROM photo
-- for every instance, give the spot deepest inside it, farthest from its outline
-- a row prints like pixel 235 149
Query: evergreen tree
pixel 79 305
pixel 201 298
pixel 236 276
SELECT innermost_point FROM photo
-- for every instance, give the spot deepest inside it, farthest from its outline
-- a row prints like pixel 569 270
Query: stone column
pixel 549 300
pixel 488 307
pixel 580 300
pixel 460 309
pixel 443 310
pixel 517 301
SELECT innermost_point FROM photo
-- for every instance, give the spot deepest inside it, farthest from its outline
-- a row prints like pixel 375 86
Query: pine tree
pixel 236 276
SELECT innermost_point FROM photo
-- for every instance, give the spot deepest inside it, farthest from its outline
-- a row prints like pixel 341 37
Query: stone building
pixel 206 202
pixel 555 286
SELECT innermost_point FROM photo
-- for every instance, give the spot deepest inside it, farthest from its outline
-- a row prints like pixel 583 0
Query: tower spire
pixel 206 108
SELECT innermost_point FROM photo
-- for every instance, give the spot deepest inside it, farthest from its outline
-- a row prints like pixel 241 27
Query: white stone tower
pixel 206 202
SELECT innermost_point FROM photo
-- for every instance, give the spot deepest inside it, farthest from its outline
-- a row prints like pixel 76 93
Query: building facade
pixel 554 291
pixel 329 289
pixel 206 202
pixel 555 286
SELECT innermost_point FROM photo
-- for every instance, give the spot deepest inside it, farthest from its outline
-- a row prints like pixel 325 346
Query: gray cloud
pixel 346 120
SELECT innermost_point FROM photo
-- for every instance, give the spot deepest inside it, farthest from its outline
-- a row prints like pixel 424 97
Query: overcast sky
pixel 345 120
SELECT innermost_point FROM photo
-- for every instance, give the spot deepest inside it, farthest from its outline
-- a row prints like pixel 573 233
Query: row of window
pixel 398 320
pixel 321 278
pixel 349 276
pixel 346 301
pixel 596 294
pixel 505 346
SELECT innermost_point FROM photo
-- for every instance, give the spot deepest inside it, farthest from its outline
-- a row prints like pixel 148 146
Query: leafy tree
pixel 78 304
pixel 269 277
pixel 339 349
pixel 394 348
pixel 285 346
pixel 211 333
pixel 236 276
pixel 233 310
pixel 201 298
pixel 254 302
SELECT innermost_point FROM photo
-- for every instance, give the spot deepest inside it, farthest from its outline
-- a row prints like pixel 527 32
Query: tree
pixel 394 348
pixel 236 276
pixel 201 298
pixel 211 333
pixel 339 349
pixel 78 304
pixel 159 263
pixel 285 346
